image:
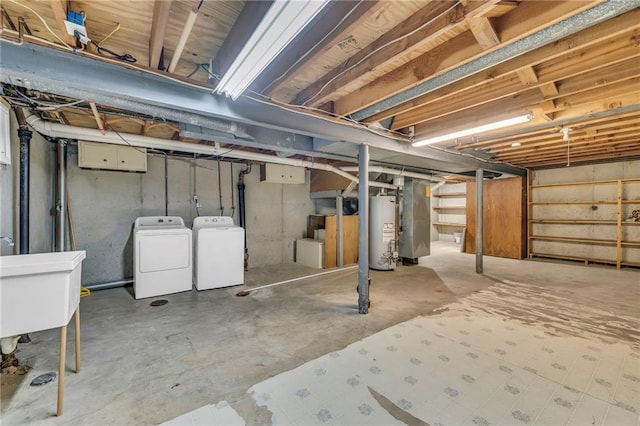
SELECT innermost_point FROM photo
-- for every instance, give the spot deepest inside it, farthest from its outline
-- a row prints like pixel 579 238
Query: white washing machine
pixel 162 261
pixel 218 247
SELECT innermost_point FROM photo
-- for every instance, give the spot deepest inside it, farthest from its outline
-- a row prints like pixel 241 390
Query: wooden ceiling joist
pixel 161 11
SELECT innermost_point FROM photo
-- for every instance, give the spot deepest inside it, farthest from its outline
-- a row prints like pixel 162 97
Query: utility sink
pixel 38 291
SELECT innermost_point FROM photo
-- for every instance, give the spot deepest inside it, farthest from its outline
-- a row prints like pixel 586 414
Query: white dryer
pixel 162 261
pixel 218 247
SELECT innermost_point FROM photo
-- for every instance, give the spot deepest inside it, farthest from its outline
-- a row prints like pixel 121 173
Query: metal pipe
pixel 220 189
pixel 339 239
pixel 62 195
pixel 166 185
pixel 71 132
pixel 363 230
pixel 242 212
pixel 479 218
pixel 108 285
pixel 25 139
pixel 395 172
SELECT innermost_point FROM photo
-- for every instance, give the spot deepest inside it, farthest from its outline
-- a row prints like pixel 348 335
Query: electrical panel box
pixel 282 173
pixel 94 155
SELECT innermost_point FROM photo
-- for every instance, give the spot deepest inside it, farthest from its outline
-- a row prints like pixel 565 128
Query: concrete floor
pixel 144 364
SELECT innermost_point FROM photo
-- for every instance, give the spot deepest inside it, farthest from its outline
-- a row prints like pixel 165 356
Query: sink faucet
pixel 9 240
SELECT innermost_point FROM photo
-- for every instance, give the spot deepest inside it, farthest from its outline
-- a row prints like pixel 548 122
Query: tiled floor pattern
pixel 474 364
pixel 507 355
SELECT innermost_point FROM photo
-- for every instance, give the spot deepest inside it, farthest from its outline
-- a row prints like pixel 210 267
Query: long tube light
pixel 282 22
pixel 478 129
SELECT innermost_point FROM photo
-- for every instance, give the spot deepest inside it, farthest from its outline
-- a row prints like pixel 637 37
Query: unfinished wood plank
pixel 161 11
pixel 548 90
pixel 527 76
pixel 623 26
pixel 428 23
pixel 59 8
pixel 484 32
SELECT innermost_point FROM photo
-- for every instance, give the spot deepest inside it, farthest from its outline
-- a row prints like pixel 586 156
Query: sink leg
pixel 77 320
pixel 63 354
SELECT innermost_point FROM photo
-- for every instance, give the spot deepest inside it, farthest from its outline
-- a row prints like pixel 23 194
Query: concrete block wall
pixel 106 203
pixel 592 173
pixel 41 199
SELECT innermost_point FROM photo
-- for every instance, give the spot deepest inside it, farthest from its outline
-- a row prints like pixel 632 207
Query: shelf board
pixel 584 240
pixel 579 222
pixel 585 259
pixel 581 202
pixel 456 225
pixel 597 182
pixel 451 194
pixel 450 207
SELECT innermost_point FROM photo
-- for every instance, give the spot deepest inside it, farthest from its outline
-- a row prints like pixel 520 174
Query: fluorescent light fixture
pixel 479 129
pixel 282 22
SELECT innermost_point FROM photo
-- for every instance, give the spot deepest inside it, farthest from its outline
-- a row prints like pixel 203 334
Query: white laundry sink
pixel 38 291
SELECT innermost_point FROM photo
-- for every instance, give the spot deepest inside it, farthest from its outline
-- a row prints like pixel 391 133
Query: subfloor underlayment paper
pixel 512 354
pixel 474 364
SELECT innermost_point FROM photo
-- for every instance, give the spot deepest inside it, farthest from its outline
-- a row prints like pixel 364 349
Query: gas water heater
pixel 382 233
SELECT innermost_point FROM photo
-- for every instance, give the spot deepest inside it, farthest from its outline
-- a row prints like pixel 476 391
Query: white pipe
pixel 396 172
pixel 56 130
pixel 319 274
pixel 186 31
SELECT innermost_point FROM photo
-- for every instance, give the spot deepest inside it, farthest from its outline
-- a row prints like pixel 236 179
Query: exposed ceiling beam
pixel 578 44
pixel 426 24
pixel 63 73
pixel 316 39
pixel 448 70
pixel 59 8
pixel 484 32
pixel 161 10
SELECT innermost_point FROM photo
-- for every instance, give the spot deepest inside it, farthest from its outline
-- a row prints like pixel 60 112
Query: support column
pixel 62 195
pixel 363 229
pixel 25 139
pixel 479 208
pixel 339 240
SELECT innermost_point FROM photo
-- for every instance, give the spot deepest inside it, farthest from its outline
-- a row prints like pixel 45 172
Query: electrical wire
pixel 43 22
pixel 402 37
pixel 116 29
pixel 46 106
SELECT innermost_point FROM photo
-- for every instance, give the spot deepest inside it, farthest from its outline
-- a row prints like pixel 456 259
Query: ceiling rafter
pixel 161 11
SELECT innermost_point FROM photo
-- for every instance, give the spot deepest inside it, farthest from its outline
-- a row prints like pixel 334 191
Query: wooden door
pixel 504 218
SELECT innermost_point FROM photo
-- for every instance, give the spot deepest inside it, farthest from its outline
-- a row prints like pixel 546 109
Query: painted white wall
pixel 41 200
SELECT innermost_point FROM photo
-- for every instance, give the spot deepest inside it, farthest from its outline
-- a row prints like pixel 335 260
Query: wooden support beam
pixel 484 32
pixel 427 24
pixel 97 117
pixel 548 90
pixel 161 11
pixel 59 8
pixel 527 76
pixel 623 29
pixel 461 49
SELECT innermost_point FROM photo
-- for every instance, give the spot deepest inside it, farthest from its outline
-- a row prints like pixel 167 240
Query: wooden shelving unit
pixel 450 210
pixel 618 220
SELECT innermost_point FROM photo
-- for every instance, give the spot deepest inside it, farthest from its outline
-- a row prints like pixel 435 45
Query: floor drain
pixel 43 379
pixel 159 302
pixel 242 293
